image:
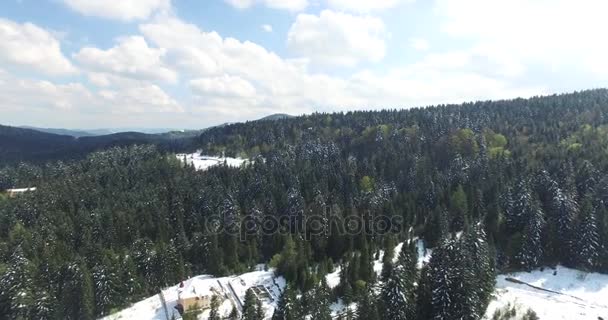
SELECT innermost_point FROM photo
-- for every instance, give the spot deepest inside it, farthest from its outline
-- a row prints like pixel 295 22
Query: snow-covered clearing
pixel 152 308
pixel 581 295
pixel 203 162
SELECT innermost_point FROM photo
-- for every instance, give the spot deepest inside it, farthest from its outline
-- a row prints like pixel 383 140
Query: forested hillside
pixel 491 186
pixel 33 146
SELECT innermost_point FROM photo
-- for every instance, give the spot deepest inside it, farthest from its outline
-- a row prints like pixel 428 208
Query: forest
pixel 491 186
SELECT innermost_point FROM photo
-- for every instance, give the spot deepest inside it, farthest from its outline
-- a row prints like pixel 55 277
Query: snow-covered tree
pixel 587 247
pixel 321 302
pixel 17 287
pixel 252 308
pixel 287 306
pixel 399 292
pixel 531 251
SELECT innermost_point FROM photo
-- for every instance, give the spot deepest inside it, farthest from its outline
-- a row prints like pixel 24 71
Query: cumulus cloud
pixel 131 57
pixel 289 5
pixel 227 86
pixel 364 5
pixel 125 10
pixel 335 38
pixel 32 47
pixel 240 80
pixel 73 100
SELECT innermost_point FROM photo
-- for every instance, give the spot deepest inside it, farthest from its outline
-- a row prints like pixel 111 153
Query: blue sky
pixel 192 63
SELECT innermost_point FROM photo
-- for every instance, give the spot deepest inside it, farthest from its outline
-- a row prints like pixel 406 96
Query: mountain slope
pixel 65 132
pixel 21 144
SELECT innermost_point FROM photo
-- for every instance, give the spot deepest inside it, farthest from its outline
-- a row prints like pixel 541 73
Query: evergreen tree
pixel 321 302
pixel 214 312
pixel 531 251
pixel 588 247
pixel 252 308
pixel 288 305
pixel 367 307
pixel 399 291
pixel 17 287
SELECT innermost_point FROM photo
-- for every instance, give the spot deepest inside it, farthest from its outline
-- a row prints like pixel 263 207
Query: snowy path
pixel 571 294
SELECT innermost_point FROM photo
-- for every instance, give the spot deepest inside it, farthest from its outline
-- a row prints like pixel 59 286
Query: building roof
pixel 198 287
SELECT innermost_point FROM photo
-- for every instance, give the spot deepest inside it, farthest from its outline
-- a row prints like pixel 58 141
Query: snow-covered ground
pixel 581 295
pixel 203 162
pixel 152 309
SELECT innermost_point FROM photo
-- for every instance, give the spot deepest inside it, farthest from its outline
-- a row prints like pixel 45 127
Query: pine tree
pixel 531 251
pixel 459 209
pixel 321 302
pixel 367 308
pixel 252 308
pixel 479 272
pixel 564 209
pixel 104 280
pixel 399 292
pixel 522 202
pixel 587 238
pixel 215 304
pixel 286 309
pixel 17 286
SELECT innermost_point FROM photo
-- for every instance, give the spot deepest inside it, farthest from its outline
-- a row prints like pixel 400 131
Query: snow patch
pixel 152 308
pixel 203 162
pixel 580 295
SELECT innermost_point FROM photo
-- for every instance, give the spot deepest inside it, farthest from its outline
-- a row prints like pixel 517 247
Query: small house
pixel 197 294
pixel 11 193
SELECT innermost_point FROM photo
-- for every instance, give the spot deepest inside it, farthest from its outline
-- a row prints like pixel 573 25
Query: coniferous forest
pixel 492 187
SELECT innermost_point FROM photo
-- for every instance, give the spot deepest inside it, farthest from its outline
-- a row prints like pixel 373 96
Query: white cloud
pixel 125 10
pixel 420 44
pixel 559 35
pixel 335 38
pixel 131 57
pixel 267 27
pixel 73 100
pixel 240 4
pixel 226 86
pixel 289 5
pixel 229 87
pixel 29 46
pixel 141 99
pixel 364 5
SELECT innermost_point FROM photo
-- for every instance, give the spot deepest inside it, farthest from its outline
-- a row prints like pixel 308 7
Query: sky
pixel 196 63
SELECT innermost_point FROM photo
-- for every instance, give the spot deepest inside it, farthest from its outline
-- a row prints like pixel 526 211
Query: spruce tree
pixel 286 308
pixel 398 292
pixel 321 302
pixel 587 238
pixel 530 254
pixel 215 304
pixel 252 308
pixel 17 286
pixel 367 307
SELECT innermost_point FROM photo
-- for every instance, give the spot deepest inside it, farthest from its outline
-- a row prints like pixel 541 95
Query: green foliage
pixel 367 184
pixel 463 142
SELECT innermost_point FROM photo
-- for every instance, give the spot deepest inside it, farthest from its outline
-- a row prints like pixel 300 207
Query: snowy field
pixel 202 162
pixel 580 295
pixel 576 294
pixel 152 309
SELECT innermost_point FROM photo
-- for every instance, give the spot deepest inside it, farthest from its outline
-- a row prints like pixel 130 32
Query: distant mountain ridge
pixel 276 116
pixel 30 145
pixel 65 132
